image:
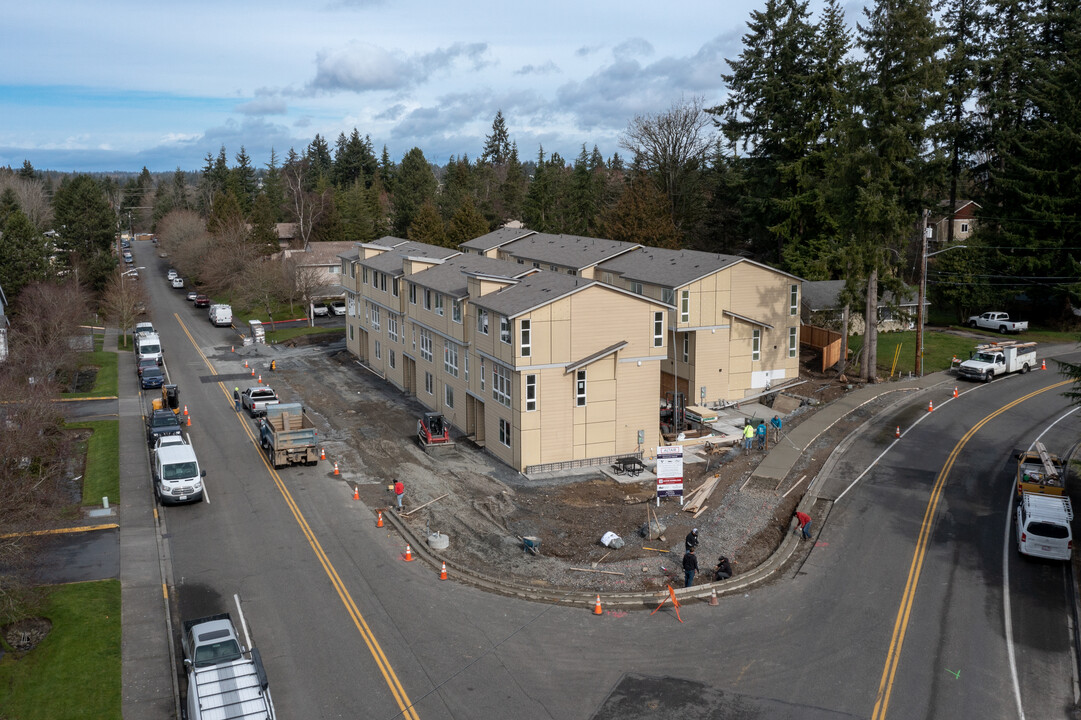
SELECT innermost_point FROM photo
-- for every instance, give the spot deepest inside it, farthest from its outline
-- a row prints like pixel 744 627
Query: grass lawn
pixel 75 671
pixel 102 475
pixel 285 333
pixel 939 349
pixel 1039 335
pixel 105 384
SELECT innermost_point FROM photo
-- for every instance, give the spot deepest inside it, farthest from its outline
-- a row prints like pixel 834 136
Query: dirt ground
pixel 485 508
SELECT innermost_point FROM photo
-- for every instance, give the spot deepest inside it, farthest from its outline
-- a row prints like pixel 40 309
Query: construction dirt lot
pixel 485 508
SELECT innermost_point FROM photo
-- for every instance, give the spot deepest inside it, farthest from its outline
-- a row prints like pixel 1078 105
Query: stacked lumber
pixel 696 500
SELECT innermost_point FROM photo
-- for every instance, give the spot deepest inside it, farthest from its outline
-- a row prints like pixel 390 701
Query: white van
pixel 221 315
pixel 148 345
pixel 177 477
pixel 1043 526
pixel 141 328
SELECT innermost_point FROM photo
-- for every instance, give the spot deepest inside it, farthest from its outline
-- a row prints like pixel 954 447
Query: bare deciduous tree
pixel 306 206
pixel 32 198
pixel 46 321
pixel 124 297
pixel 673 146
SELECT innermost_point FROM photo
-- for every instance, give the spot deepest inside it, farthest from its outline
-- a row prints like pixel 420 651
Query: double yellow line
pixel 900 624
pixel 405 705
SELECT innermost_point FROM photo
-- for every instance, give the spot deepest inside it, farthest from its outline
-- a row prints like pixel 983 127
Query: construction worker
pixel 273 365
pixel 748 436
pixel 236 398
pixel 775 423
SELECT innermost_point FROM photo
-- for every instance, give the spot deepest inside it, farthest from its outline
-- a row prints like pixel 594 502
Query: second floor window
pixel 456 310
pixel 426 344
pixel 504 329
pixel 438 304
pixel 375 317
pixel 793 342
pixel 450 358
pixel 501 384
pixel 793 300
pixel 580 388
pixel 482 321
pixel 684 305
pixel 526 342
pixel 756 344
pixel 658 329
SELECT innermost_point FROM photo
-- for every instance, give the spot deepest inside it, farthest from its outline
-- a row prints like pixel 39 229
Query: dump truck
pixel 224 679
pixel 1040 472
pixel 288 435
pixel 994 359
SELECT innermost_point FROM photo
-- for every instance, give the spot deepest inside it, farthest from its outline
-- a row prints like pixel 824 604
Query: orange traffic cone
pixel 443 572
pixel 898 433
pixel 955 391
pixel 260 379
pixel 713 597
pixel 930 406
pixel 336 468
pixel 232 348
pixel 253 372
pixel 245 363
pixel 356 492
pixel 189 420
pixel 408 553
pixel 322 453
pixel 597 608
pixel 379 522
pixel 1043 365
pixel 185 411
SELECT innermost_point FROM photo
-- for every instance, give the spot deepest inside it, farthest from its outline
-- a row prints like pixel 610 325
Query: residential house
pixel 822 308
pixel 964 222
pixel 316 271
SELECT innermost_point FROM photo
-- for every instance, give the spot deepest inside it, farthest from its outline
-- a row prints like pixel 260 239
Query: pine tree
pixel 319 161
pixel 427 226
pixel 82 210
pixel 242 181
pixel 24 258
pixel 467 223
pixel 264 233
pixel 641 215
pixel 512 191
pixel 273 187
pixel 414 186
pixel 358 222
pixel 497 144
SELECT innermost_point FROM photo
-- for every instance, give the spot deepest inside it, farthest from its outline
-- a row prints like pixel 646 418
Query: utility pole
pixel 920 319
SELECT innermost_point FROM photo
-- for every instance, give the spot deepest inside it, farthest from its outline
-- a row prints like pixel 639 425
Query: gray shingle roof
pixel 570 251
pixel 390 261
pixel 531 292
pixel 824 295
pixel 494 239
pixel 449 278
pixel 668 268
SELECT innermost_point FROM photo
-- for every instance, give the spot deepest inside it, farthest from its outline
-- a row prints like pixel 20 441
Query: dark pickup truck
pixel 161 422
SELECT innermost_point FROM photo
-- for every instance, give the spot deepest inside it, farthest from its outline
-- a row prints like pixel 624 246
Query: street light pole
pixel 920 319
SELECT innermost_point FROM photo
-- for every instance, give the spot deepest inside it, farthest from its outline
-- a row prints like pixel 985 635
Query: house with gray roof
pixel 822 307
pixel 568 254
pixel 487 245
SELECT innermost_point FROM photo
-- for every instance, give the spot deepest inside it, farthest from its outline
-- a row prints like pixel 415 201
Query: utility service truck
pixel 1040 472
pixel 224 679
pixel 288 435
pixel 993 359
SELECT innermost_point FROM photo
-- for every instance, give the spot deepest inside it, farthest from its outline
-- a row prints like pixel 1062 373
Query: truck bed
pixel 291 427
pixel 230 691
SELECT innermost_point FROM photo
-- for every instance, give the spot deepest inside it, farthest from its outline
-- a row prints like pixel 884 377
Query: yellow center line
pixel 900 624
pixel 405 705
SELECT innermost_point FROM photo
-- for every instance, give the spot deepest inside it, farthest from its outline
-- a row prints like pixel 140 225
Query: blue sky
pixel 121 85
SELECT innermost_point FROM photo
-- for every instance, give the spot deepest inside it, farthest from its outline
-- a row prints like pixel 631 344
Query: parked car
pixel 161 422
pixel 320 310
pixel 178 282
pixel 202 301
pixel 145 363
pixel 128 258
pixel 192 295
pixel 171 274
pixel 151 377
pixel 338 307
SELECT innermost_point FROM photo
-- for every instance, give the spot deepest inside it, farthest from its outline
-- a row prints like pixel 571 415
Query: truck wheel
pixel 1002 329
pixel 1024 368
pixel 972 324
pixel 988 376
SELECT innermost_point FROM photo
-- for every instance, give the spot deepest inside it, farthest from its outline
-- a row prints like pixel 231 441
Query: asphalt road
pixel 347 628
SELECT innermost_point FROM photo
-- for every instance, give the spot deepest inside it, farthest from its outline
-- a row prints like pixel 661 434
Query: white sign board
pixel 670 472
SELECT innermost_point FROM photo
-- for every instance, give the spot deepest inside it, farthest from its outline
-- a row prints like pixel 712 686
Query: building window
pixel 501 384
pixel 439 304
pixel 383 282
pixel 392 327
pixel 536 265
pixel 367 311
pixel 684 305
pixel 686 347
pixel 426 344
pixel 504 432
pixel 964 227
pixel 378 350
pixel 668 296
pixel 335 270
pixel 456 310
pixel 375 317
pixel 429 383
pixel 448 396
pixel 427 299
pixel 345 266
pixel 793 342
pixel 504 329
pixel 530 393
pixel 375 279
pixel 414 337
pixel 580 388
pixel 465 366
pixel 756 344
pixel 353 270
pixel 526 342
pixel 658 329
pixel 636 288
pixel 412 294
pixel 482 373
pixel 364 276
pixel 793 300
pixel 350 332
pixel 392 363
pixel 450 358
pixel 553 268
pixel 482 321
pixel 394 287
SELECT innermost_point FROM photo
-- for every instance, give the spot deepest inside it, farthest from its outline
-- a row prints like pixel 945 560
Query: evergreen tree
pixel 386 171
pixel 27 172
pixel 179 195
pixel 512 191
pixel 584 198
pixel 641 215
pixel 273 187
pixel 497 144
pixel 414 186
pixel 264 231
pixel 467 223
pixel 319 161
pixel 539 207
pixel 458 185
pixel 358 221
pixel 427 226
pixel 9 203
pixel 242 181
pixel 226 214
pixel 24 258
pixel 86 224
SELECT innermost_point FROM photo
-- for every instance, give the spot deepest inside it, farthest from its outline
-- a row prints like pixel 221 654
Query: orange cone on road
pixel 713 597
pixel 356 492
pixel 189 420
pixel 232 348
pixel 597 608
pixel 443 572
pixel 408 553
pixel 245 364
pixel 898 433
pixel 322 453
pixel 185 411
pixel 1043 365
pixel 336 468
pixel 253 372
pixel 955 391
pixel 379 522
pixel 930 406
pixel 260 379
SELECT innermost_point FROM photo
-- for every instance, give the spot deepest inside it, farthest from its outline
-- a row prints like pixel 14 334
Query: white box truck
pixel 993 359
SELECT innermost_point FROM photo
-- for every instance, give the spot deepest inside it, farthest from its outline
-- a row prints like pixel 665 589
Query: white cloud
pixel 263 106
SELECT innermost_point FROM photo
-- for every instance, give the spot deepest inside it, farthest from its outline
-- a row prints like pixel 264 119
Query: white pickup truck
pixel 255 399
pixel 225 680
pixel 994 359
pixel 998 321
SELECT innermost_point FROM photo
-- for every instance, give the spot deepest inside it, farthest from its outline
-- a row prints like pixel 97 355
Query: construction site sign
pixel 670 472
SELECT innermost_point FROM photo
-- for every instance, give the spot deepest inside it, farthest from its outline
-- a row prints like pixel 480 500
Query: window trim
pixel 526 337
pixel 793 299
pixel 530 393
pixel 580 388
pixel 482 321
pixel 658 329
pixel 504 329
pixel 756 344
pixel 793 342
pixel 684 305
pixel 505 432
